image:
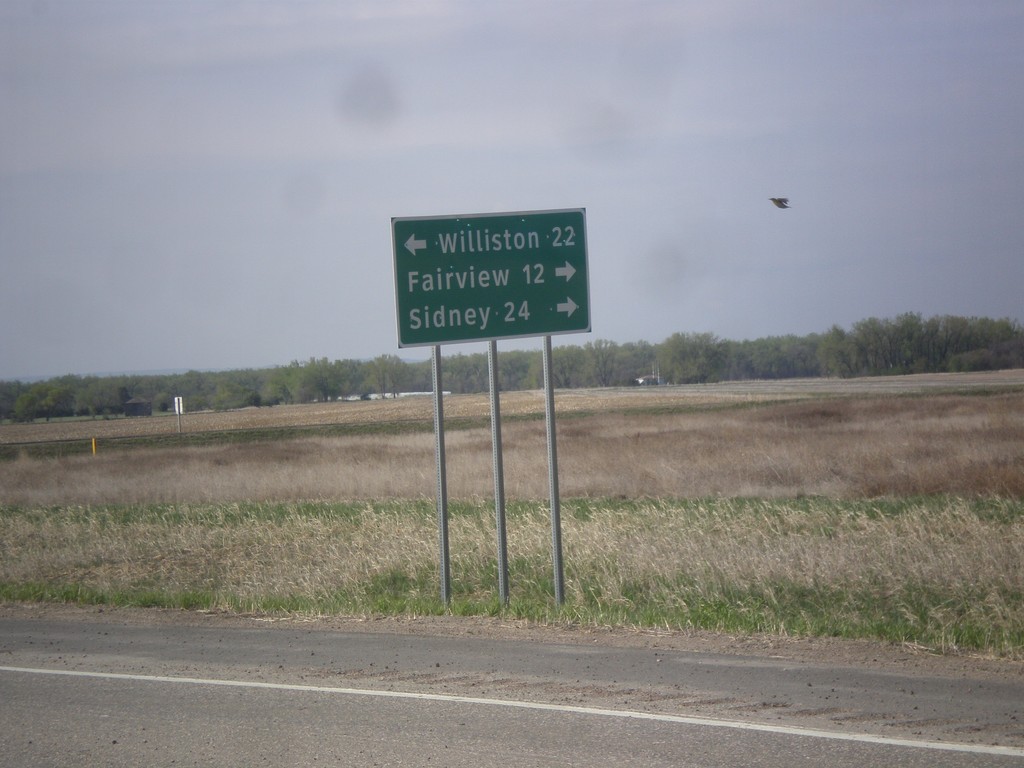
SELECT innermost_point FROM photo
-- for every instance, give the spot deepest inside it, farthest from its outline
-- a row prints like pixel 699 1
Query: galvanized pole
pixel 442 477
pixel 556 513
pixel 499 472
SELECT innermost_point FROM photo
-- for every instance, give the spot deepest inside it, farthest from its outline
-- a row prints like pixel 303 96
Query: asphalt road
pixel 138 688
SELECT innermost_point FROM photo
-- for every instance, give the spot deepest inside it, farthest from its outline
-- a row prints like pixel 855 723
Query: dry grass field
pixel 568 402
pixel 843 439
pixel 890 509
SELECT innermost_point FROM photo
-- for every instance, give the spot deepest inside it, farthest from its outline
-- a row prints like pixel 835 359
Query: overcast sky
pixel 209 184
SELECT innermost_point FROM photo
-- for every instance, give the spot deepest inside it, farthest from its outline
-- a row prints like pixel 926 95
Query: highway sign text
pixel 488 276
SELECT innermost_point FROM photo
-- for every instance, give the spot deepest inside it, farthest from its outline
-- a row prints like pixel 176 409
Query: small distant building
pixel 650 380
pixel 653 379
pixel 138 407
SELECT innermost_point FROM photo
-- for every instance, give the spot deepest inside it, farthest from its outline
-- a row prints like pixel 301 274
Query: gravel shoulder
pixel 825 685
pixel 862 654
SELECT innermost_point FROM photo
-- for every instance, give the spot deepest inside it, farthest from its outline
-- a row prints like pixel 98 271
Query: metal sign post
pixel 442 477
pixel 556 512
pixel 499 473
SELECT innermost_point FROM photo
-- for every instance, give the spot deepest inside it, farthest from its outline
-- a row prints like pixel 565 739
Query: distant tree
pixel 772 357
pixel 26 407
pixel 99 396
pixel 465 373
pixel 908 342
pixel 44 401
pixel 247 383
pixel 388 374
pixel 990 345
pixel 835 353
pixel 281 384
pixel 237 392
pixel 633 360
pixel 1007 354
pixel 692 358
pixel 350 375
pixel 568 367
pixel 518 371
pixel 873 346
pixel 418 376
pixel 59 400
pixel 319 380
pixel 196 388
pixel 601 360
pixel 9 393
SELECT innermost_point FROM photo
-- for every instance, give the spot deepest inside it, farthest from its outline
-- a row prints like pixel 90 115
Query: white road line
pixel 595 711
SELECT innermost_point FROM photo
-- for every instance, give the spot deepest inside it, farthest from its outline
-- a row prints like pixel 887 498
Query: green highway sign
pixel 488 276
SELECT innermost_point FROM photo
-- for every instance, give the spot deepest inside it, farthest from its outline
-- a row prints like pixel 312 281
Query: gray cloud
pixel 248 158
pixel 369 98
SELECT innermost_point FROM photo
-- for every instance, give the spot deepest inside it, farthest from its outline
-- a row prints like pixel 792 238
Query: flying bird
pixel 780 202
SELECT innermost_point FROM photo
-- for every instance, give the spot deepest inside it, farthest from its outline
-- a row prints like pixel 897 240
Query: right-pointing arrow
pixel 567 271
pixel 568 306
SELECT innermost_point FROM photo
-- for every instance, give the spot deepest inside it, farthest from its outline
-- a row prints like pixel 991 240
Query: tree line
pixel 872 347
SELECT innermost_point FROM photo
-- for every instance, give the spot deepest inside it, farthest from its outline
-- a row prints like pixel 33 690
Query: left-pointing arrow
pixel 414 245
pixel 568 306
